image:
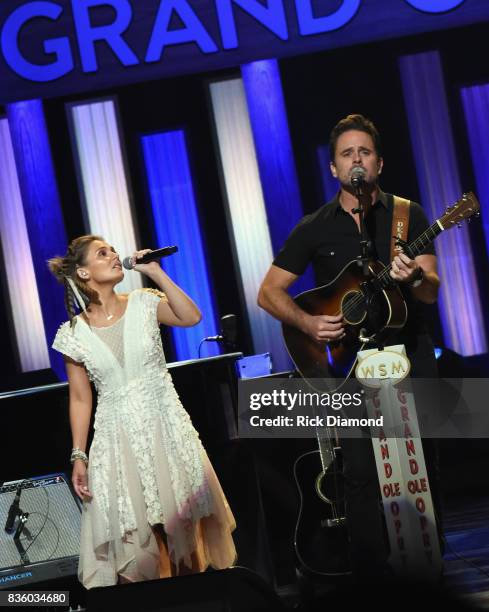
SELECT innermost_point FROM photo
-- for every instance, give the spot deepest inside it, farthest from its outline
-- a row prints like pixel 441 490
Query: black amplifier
pixel 39 530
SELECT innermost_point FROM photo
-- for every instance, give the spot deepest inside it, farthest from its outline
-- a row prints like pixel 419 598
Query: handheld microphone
pixel 357 177
pixel 13 511
pixel 129 263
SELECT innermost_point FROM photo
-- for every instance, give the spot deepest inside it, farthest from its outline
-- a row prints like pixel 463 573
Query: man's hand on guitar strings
pixel 404 269
pixel 324 328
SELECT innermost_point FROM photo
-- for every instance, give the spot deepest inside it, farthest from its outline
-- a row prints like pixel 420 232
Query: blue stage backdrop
pixel 103 180
pixel 18 272
pixel 330 185
pixel 42 209
pixel 476 105
pixel 276 164
pixel 176 221
pixel 439 182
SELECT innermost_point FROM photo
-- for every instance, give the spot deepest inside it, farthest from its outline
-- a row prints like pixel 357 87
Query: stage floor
pixel 466 560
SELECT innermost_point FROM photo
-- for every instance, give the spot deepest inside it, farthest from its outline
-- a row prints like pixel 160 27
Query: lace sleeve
pixel 66 343
pixel 150 298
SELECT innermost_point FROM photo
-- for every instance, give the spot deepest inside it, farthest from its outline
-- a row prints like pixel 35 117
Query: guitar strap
pixel 400 223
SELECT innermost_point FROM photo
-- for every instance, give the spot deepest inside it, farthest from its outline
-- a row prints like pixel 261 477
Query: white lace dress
pixel 147 465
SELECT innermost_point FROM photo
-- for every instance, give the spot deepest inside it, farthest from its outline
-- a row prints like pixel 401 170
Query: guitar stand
pixel 376 338
pixel 336 522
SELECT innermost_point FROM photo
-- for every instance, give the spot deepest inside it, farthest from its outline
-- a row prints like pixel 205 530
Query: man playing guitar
pixel 329 239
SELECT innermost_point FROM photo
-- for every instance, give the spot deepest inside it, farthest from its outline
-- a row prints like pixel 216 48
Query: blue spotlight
pixel 176 221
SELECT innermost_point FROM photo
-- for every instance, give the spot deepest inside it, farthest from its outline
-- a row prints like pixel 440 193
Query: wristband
pixel 417 279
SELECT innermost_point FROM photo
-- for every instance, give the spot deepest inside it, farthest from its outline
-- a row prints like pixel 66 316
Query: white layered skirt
pixel 148 467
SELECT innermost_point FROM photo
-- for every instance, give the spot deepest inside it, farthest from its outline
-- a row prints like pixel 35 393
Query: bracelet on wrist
pixel 77 453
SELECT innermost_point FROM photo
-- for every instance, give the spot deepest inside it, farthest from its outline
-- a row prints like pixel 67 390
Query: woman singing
pixel 152 504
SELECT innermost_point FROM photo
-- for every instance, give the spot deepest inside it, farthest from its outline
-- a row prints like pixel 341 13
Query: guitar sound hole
pixel 353 307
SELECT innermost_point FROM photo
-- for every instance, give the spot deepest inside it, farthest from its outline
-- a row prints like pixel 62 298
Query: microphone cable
pixel 46 519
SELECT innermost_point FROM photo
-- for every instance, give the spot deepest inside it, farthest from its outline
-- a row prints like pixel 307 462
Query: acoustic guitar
pixel 371 306
pixel 321 535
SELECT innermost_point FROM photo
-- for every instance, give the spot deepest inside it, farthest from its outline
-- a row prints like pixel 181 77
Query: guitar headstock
pixel 465 208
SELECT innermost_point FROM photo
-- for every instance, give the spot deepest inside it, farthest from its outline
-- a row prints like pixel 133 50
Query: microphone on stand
pixel 357 177
pixel 357 180
pixel 129 262
pixel 229 329
pixel 13 511
pixel 228 333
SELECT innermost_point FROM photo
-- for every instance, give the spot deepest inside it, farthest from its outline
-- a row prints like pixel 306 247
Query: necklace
pixel 107 315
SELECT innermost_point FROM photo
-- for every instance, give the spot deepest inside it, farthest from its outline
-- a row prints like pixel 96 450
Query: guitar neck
pixel 325 447
pixel 417 246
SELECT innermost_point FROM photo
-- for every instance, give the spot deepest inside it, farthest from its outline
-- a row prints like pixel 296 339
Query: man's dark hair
pixel 354 122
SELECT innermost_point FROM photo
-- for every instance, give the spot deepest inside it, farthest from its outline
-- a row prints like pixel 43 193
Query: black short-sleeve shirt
pixel 329 239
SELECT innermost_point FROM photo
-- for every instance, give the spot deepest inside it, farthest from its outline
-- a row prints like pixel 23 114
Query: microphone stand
pixel 15 511
pixel 23 516
pixel 363 260
pixel 360 195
